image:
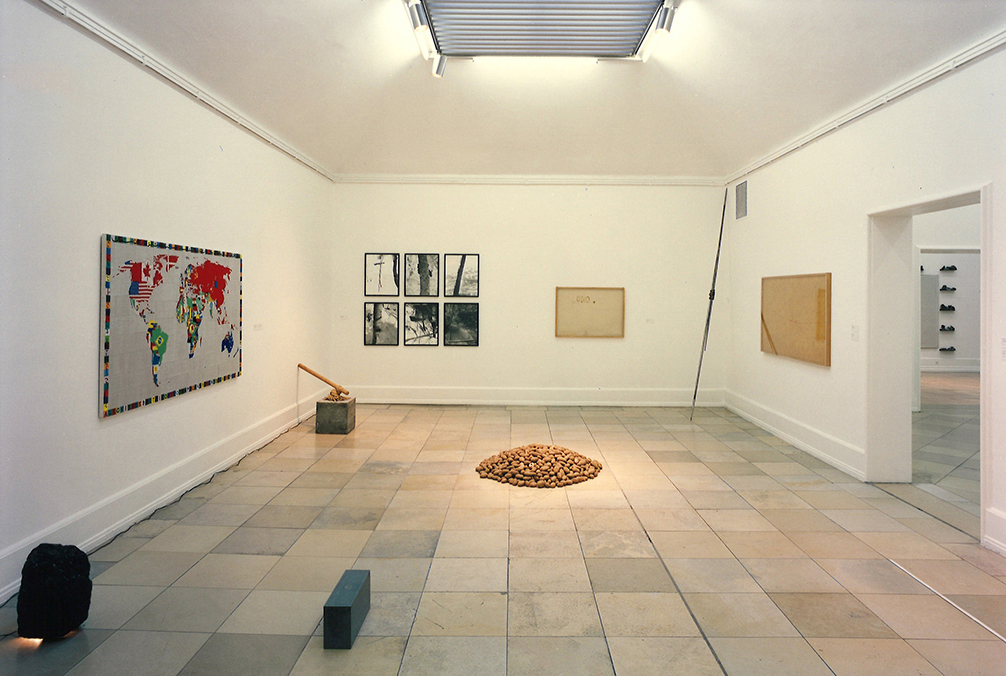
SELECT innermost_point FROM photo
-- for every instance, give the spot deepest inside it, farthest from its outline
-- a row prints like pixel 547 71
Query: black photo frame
pixel 461 275
pixel 421 324
pixel 422 274
pixel 461 324
pixel 381 276
pixel 380 323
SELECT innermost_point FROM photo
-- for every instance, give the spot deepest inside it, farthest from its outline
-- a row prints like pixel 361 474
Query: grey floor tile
pixel 246 655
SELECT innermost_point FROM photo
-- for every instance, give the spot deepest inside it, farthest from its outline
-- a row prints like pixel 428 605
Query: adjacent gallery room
pixel 665 337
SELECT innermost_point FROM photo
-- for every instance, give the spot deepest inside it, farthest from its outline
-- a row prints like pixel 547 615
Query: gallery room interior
pixel 846 516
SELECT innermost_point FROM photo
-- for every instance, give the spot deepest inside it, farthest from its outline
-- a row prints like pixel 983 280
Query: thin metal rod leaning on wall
pixel 712 297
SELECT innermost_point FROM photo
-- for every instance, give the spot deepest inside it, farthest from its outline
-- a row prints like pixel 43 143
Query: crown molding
pixel 921 80
pixel 517 179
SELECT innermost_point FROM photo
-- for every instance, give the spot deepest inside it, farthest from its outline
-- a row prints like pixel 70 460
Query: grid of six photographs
pixel 419 323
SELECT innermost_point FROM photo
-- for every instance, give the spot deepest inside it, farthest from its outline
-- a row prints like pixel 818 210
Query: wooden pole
pixel 337 388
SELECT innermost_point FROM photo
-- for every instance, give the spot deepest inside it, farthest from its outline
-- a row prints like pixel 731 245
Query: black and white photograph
pixel 380 323
pixel 461 324
pixel 461 275
pixel 422 274
pixel 380 274
pixel 422 323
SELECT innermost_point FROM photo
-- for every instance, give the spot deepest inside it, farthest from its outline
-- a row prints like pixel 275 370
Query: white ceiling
pixel 343 83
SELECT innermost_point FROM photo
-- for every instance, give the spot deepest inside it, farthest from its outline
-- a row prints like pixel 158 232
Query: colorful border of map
pixel 171 321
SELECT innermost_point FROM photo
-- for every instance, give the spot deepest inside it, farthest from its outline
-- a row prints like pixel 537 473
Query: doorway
pixel 893 372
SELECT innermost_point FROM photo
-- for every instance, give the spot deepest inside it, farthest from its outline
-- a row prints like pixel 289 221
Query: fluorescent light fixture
pixel 421 27
pixel 439 65
pixel 664 19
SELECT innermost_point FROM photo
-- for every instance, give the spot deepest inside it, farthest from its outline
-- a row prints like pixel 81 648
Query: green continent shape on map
pixel 158 341
pixel 190 313
pixel 203 284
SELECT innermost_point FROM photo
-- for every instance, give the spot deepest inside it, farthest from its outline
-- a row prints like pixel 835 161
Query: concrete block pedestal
pixel 336 417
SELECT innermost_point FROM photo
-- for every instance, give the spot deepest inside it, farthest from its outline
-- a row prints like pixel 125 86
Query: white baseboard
pixel 538 396
pixel 98 524
pixel 950 365
pixel 994 530
pixel 823 446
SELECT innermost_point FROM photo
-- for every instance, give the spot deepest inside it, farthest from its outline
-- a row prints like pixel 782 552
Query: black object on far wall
pixel 55 592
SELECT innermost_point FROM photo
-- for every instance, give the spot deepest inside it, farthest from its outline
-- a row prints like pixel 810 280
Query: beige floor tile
pixel 535 655
pixel 457 544
pixel 721 520
pixel 467 575
pixel 187 609
pixel 658 656
pixel 981 558
pixel 682 469
pixel 348 518
pixel 954 577
pixel 739 615
pixel 219 515
pixel 112 605
pixel 827 545
pixel 250 495
pixel 905 546
pixel 477 519
pixel 536 498
pixel 761 545
pixel 689 545
pixel 686 483
pixel 390 614
pixel 428 482
pixel 616 544
pixel 541 519
pixel 711 575
pixel 644 614
pixel 461 614
pixel 455 656
pixel 591 498
pixel 668 498
pixel 412 519
pixel 671 520
pixel 773 500
pixel 715 500
pixel 937 531
pixel 553 614
pixel 141 652
pixel 871 576
pixel 796 520
pixel 990 610
pixel 259 541
pixel 118 549
pixel 768 657
pixel 832 500
pixel 326 542
pixel 188 539
pixel 364 497
pixel 871 657
pixel 819 615
pixel 628 575
pixel 289 613
pixel 964 658
pixel 476 499
pixel 864 520
pixel 283 516
pixel 153 569
pixel 395 575
pixel 605 519
pixel 228 571
pixel 924 616
pixel 551 574
pixel 305 497
pixel 306 573
pixel 544 544
pixel 422 499
pixel 374 656
pixel 791 575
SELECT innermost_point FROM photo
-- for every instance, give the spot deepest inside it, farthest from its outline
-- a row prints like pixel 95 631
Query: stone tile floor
pixel 703 548
pixel 945 440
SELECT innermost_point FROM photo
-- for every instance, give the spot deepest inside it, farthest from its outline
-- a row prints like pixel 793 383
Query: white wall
pixel 658 242
pixel 808 212
pixel 91 143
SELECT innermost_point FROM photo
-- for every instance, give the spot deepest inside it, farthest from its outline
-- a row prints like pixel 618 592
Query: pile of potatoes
pixel 539 466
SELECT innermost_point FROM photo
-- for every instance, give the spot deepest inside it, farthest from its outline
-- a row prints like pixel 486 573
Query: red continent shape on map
pixel 210 278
